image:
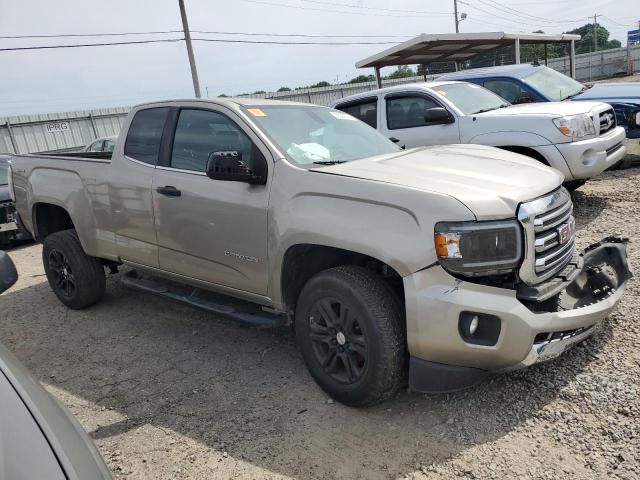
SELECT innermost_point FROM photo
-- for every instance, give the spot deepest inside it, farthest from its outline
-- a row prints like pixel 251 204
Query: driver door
pixel 211 230
pixel 404 121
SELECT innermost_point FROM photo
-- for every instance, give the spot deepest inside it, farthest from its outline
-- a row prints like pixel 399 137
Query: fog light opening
pixel 479 328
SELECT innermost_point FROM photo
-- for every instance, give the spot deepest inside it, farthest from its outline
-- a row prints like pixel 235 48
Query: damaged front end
pixel 591 284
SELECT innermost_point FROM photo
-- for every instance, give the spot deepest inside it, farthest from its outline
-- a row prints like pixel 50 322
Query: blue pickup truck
pixel 526 83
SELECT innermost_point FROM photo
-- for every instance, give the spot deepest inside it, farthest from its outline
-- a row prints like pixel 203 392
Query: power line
pixel 511 20
pixel 510 11
pixel 424 12
pixel 305 35
pixel 277 42
pixel 611 20
pixel 78 45
pixel 62 35
pixel 299 7
pixel 216 40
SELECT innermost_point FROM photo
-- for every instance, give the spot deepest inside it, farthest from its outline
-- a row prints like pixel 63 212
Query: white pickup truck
pixel 580 139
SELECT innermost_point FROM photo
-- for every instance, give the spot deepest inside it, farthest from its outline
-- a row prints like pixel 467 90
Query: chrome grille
pixel 549 236
pixel 607 121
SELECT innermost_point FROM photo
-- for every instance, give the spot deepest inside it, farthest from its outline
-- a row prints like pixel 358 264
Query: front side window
pixel 145 134
pixel 366 111
pixel 509 90
pixel 408 112
pixel 95 146
pixel 199 133
pixel 109 145
pixel 310 136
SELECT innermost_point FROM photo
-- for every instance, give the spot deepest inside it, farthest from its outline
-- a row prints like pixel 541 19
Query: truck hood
pixel 552 109
pixel 607 92
pixel 489 181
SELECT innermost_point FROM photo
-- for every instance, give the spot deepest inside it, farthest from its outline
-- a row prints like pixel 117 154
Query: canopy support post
pixel 572 59
pixel 516 51
pixel 378 78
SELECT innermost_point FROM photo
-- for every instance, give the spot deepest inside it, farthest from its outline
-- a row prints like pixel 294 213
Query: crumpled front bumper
pixel 530 331
pixel 598 287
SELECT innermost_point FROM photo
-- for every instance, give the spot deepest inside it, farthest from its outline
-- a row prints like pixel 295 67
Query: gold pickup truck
pixel 430 266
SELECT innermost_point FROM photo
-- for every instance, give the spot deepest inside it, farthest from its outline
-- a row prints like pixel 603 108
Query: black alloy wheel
pixel 64 279
pixel 338 341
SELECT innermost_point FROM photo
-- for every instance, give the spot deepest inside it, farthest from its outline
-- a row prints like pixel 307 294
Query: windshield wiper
pixel 329 162
pixel 483 110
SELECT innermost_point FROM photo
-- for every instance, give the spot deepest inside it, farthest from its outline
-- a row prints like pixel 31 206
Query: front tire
pixel 350 329
pixel 77 279
pixel 572 185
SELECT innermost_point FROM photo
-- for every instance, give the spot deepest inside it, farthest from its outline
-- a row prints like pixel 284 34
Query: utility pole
pixel 595 31
pixel 455 13
pixel 187 38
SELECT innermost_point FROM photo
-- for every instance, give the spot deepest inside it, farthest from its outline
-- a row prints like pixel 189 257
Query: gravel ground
pixel 170 392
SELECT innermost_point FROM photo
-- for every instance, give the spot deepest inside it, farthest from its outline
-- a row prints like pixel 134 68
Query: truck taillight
pixel 634 120
pixel 12 193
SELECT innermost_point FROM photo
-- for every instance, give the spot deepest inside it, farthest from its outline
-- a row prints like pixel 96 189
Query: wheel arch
pixel 302 261
pixel 526 151
pixel 49 218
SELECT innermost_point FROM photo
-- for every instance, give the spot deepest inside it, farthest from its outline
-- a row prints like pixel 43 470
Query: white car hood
pixel 556 109
pixel 489 181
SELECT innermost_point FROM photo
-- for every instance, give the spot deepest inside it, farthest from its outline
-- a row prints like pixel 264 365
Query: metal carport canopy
pixel 457 47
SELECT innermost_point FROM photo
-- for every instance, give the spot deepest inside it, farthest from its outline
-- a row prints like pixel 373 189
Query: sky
pixel 56 80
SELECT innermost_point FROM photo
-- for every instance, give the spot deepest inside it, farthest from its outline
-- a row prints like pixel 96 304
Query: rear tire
pixel 77 279
pixel 350 329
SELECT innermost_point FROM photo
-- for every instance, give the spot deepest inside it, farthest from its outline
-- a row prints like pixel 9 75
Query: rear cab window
pixel 365 110
pixel 145 135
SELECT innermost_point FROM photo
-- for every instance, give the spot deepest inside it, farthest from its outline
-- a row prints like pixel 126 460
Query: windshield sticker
pixel 256 112
pixel 442 92
pixel 342 116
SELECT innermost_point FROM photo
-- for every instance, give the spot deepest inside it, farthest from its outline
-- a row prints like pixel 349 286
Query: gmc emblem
pixel 566 231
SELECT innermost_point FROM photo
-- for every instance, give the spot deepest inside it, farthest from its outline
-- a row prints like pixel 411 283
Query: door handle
pixel 169 191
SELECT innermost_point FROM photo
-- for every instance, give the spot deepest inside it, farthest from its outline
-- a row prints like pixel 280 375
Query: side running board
pixel 245 312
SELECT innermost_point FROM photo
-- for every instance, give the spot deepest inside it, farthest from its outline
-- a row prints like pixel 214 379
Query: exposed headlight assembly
pixel 575 126
pixel 479 248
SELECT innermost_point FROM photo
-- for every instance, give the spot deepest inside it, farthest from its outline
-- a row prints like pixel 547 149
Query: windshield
pixel 4 173
pixel 553 85
pixel 316 135
pixel 471 99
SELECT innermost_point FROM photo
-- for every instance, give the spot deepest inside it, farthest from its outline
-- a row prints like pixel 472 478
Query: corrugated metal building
pixel 58 131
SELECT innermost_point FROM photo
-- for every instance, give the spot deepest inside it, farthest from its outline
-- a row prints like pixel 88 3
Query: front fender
pixel 509 138
pixel 387 222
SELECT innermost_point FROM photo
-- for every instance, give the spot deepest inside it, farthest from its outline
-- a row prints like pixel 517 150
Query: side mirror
pixel 525 99
pixel 229 166
pixel 437 115
pixel 8 273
